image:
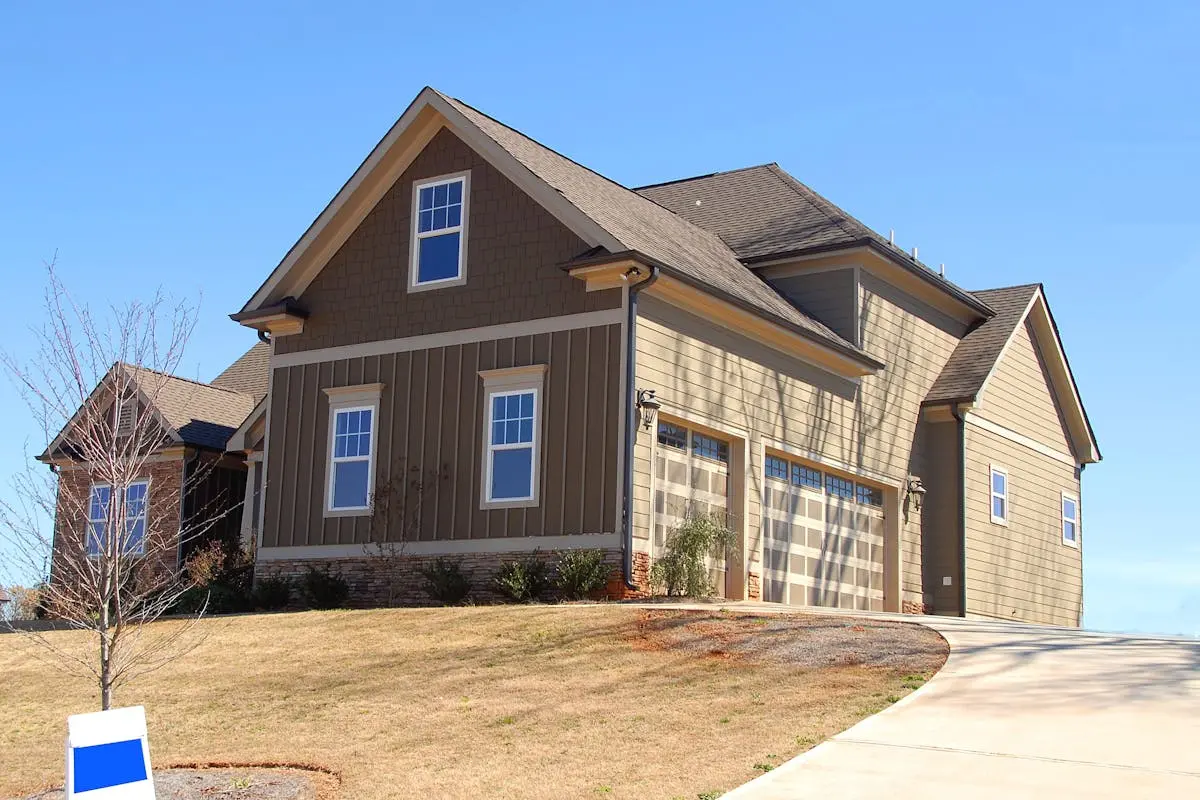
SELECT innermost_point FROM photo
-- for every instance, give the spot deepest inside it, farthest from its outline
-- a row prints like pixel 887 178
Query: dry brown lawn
pixel 496 702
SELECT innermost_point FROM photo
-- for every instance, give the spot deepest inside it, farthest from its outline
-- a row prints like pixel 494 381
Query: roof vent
pixel 892 236
pixel 914 252
pixel 942 270
pixel 699 203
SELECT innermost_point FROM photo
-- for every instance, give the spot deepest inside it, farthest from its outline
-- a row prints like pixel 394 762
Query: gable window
pixel 999 495
pixel 101 518
pixel 353 422
pixel 439 227
pixel 511 439
pixel 1070 519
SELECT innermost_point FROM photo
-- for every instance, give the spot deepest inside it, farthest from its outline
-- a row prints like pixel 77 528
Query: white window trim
pixel 993 494
pixel 1062 526
pixel 352 398
pixel 112 493
pixel 416 235
pixel 505 382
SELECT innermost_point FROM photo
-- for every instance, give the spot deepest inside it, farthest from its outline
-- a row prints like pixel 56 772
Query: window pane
pixel 427 197
pixel 803 476
pixel 526 430
pixel 776 468
pixel 350 484
pixel 999 483
pixel 672 435
pixel 1068 508
pixel 498 408
pixel 1069 531
pixel 456 192
pixel 439 194
pixel 527 405
pixel 998 509
pixel 497 433
pixel 364 420
pixel 708 447
pixel 439 218
pixel 454 216
pixel 426 222
pixel 95 537
pixel 514 406
pixel 136 533
pixel 839 487
pixel 512 431
pixel 868 495
pixel 364 444
pixel 512 473
pixel 438 258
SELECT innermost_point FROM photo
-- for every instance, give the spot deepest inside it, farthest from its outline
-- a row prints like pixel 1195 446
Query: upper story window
pixel 439 227
pixel 999 493
pixel 353 423
pixel 511 436
pixel 102 516
pixel 1070 519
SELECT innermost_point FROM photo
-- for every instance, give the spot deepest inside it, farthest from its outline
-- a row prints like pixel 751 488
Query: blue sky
pixel 189 145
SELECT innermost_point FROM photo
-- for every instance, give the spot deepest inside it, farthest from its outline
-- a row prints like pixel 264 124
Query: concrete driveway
pixel 1020 711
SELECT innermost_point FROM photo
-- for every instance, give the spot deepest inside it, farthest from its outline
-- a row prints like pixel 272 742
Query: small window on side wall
pixel 1070 519
pixel 511 436
pixel 439 225
pixel 353 422
pixel 999 495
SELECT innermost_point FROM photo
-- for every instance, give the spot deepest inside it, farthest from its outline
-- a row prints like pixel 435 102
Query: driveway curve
pixel 1020 711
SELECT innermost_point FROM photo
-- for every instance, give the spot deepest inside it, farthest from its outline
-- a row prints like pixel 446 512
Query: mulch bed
pixel 232 783
pixel 800 640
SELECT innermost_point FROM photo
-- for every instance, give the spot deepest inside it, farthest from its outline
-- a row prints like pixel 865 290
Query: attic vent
pixel 125 419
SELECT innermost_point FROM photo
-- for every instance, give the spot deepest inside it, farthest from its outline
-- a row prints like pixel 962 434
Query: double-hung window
pixel 999 495
pixel 129 515
pixel 1070 519
pixel 353 422
pixel 439 227
pixel 511 439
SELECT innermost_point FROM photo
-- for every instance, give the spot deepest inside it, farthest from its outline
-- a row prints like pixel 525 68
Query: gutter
pixel 631 426
pixel 961 423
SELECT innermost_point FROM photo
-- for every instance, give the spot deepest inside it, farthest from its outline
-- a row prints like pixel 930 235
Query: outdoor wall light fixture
pixel 916 493
pixel 648 404
pixel 632 272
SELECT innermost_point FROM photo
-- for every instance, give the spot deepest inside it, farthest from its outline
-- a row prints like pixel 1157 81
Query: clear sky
pixel 189 145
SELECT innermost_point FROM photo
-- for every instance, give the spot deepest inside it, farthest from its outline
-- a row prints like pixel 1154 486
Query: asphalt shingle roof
pixel 976 353
pixel 249 373
pixel 202 414
pixel 643 225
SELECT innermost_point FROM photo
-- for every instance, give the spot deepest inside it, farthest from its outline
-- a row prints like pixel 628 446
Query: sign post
pixel 108 756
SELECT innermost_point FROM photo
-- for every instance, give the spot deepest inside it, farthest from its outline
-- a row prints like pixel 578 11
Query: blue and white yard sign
pixel 108 756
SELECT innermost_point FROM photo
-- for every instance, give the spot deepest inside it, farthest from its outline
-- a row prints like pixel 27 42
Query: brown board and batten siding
pixel 514 249
pixel 1018 396
pixel 1022 570
pixel 430 427
pixel 724 379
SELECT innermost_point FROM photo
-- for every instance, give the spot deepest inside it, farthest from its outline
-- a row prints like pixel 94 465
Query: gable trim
pixel 421 121
pixel 1048 344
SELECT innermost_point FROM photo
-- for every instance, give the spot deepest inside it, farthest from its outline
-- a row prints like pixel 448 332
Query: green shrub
pixel 323 589
pixel 523 580
pixel 445 582
pixel 272 593
pixel 682 570
pixel 581 572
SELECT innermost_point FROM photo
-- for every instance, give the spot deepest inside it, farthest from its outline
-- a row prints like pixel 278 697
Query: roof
pixel 643 226
pixel 763 213
pixel 202 414
pixel 249 373
pixel 973 359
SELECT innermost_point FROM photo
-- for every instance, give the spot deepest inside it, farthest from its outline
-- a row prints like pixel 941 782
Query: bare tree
pixel 396 520
pixel 102 539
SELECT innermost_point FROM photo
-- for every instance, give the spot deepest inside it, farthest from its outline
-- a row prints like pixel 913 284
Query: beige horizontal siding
pixel 1019 396
pixel 1021 570
pixel 830 297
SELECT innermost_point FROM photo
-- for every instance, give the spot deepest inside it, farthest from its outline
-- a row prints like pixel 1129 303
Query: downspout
pixel 631 425
pixel 961 423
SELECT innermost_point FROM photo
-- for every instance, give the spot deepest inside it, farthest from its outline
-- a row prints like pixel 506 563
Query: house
pixel 481 348
pixel 180 430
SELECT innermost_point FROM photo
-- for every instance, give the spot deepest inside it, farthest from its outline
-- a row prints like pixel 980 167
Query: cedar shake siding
pixel 430 426
pixel 514 251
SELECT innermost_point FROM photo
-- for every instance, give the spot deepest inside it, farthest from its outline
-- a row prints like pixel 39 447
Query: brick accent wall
pixel 371 580
pixel 162 514
pixel 913 607
pixel 753 586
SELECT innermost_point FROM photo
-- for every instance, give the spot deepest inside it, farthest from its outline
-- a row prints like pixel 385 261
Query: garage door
pixel 822 538
pixel 691 475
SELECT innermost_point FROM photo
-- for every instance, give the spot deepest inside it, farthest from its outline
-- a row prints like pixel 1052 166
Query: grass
pixel 498 702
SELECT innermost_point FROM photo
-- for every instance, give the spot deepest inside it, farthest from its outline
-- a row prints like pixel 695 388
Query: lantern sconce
pixel 648 405
pixel 916 493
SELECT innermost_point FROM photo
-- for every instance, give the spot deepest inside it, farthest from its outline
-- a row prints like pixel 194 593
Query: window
pixel 805 476
pixel 999 496
pixel 868 495
pixel 777 468
pixel 839 487
pixel 672 435
pixel 353 420
pixel 511 444
pixel 708 447
pixel 1070 519
pixel 100 517
pixel 439 231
